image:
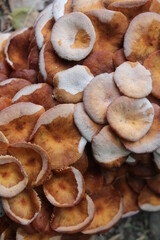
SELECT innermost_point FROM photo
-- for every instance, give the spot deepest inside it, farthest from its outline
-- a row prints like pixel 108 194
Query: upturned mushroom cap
pixel 108 211
pixel 75 219
pixel 22 208
pixel 141 38
pixel 70 84
pixel 61 7
pixel 13 178
pixel 3 144
pixel 155 6
pixel 65 188
pixel 151 141
pixel 23 235
pixel 107 148
pixel 19 118
pixel 134 116
pixel 133 80
pixel 56 132
pixel 110 27
pixel 98 95
pixel 83 6
pixel 154 183
pixel 34 160
pixel 73 36
pixel 152 63
pixel 148 200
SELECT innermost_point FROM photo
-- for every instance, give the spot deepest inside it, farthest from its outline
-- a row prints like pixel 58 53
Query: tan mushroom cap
pixel 133 80
pixel 148 200
pixel 134 116
pixel 22 208
pixel 98 95
pixel 152 63
pixel 73 36
pixel 129 197
pixel 50 63
pixel 34 160
pixel 142 36
pixel 4 143
pixel 65 188
pixel 108 211
pixel 107 148
pixel 154 184
pixel 61 7
pixel 18 120
pixel 155 6
pixel 40 93
pixel 75 219
pixel 135 183
pixel 84 123
pixel 22 235
pixel 85 6
pixel 70 84
pixel 110 27
pixel 13 178
pixel 56 132
pixel 151 141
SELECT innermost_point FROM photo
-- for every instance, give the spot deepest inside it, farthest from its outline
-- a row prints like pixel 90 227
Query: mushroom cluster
pixel 80 119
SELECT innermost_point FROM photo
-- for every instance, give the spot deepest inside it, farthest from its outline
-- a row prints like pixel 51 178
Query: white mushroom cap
pixel 60 7
pixel 73 36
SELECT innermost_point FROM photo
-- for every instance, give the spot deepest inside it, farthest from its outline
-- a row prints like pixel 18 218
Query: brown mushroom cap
pixel 13 178
pixel 4 102
pixel 134 116
pixel 119 57
pixel 60 8
pixel 73 36
pixel 141 38
pixel 28 74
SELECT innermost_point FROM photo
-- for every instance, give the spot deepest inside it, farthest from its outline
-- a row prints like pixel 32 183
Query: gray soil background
pixel 143 226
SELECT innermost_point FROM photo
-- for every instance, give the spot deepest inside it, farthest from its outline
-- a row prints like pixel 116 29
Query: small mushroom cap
pixel 19 118
pixel 98 95
pixel 134 116
pixel 73 36
pixel 151 141
pixel 82 163
pixel 152 63
pixel 119 57
pixel 156 158
pixel 65 188
pixel 23 235
pixel 13 178
pixel 133 80
pixel 61 7
pixel 84 123
pixel 22 208
pixel 70 84
pixel 28 74
pixel 75 219
pixel 141 38
pixel 56 132
pixel 135 183
pixel 108 211
pixel 148 200
pixel 154 184
pixel 107 148
pixel 155 6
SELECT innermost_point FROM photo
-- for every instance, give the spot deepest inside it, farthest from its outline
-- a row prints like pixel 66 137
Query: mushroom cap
pixel 28 74
pixel 34 160
pixel 70 84
pixel 141 38
pixel 156 158
pixel 84 123
pixel 155 6
pixel 65 188
pixel 22 208
pixel 75 219
pixel 23 235
pixel 8 233
pixel 73 36
pixel 133 80
pixel 152 63
pixel 134 116
pixel 83 6
pixel 3 144
pixel 108 210
pixel 107 148
pixel 60 8
pixel 56 132
pixel 19 118
pixel 119 57
pixel 151 141
pixel 13 178
pixel 154 183
pixel 98 95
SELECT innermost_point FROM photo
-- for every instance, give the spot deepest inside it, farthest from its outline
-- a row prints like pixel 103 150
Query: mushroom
pixel 107 148
pixel 134 116
pixel 19 118
pixel 156 158
pixel 133 80
pixel 56 133
pixel 8 233
pixel 3 144
pixel 119 57
pixel 65 188
pixel 3 41
pixel 61 7
pixel 135 183
pixel 98 95
pixel 4 102
pixel 70 84
pixel 13 178
pixel 108 211
pixel 73 36
pixel 155 6
pixel 28 74
pixel 75 219
pixel 141 38
pixel 83 6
